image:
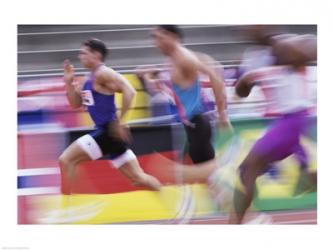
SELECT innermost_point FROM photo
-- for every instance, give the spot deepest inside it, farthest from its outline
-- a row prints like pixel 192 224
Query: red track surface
pixel 288 217
pixel 281 217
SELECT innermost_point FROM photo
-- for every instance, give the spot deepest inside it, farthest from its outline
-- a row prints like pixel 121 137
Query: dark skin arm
pixel 247 81
pixel 244 84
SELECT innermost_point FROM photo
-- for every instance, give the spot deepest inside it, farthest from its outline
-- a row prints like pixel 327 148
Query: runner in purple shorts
pixel 285 86
pixel 282 139
pixel 261 54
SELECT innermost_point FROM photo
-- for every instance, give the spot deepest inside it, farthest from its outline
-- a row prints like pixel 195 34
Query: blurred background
pixel 47 125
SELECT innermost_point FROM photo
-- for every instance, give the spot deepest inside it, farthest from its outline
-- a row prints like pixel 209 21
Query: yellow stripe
pixel 134 81
pixel 121 207
pixel 141 99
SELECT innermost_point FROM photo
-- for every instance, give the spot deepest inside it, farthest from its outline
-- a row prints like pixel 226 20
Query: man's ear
pixel 98 55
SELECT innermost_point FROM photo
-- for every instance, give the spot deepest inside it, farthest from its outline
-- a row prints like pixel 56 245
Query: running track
pixel 299 217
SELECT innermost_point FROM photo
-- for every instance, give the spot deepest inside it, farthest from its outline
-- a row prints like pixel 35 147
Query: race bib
pixel 87 98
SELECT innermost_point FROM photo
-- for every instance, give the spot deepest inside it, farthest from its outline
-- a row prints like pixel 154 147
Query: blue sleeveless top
pixel 101 107
pixel 190 99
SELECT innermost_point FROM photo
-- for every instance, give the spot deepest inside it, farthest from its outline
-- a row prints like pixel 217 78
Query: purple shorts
pixel 282 139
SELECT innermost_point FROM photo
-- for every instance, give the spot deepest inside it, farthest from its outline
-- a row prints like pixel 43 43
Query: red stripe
pixel 60 89
pixel 99 177
pixel 22 208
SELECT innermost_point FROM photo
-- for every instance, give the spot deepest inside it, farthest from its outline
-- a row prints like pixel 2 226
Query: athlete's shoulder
pixel 205 58
pixel 104 70
pixel 105 73
pixel 202 55
pixel 186 53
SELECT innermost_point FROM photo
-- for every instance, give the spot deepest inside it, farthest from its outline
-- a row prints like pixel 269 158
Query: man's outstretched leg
pixel 129 166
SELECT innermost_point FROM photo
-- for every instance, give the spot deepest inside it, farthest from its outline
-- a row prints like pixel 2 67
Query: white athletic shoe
pixel 261 219
pixel 221 187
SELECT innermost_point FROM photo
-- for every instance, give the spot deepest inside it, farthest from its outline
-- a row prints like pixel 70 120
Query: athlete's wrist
pixel 223 116
pixel 121 120
pixel 69 80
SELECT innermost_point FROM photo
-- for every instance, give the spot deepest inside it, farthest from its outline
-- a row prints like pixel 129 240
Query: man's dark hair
pixel 174 29
pixel 97 45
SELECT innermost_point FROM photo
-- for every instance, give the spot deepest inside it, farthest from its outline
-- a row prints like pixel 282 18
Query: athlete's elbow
pixel 75 105
pixel 242 91
pixel 131 93
pixel 74 101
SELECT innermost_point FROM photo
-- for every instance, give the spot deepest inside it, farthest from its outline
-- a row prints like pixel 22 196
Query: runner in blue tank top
pixel 185 66
pixel 96 93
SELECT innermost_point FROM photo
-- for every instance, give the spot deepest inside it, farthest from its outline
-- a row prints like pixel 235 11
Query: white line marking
pixel 38 190
pixel 186 211
pixel 37 171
